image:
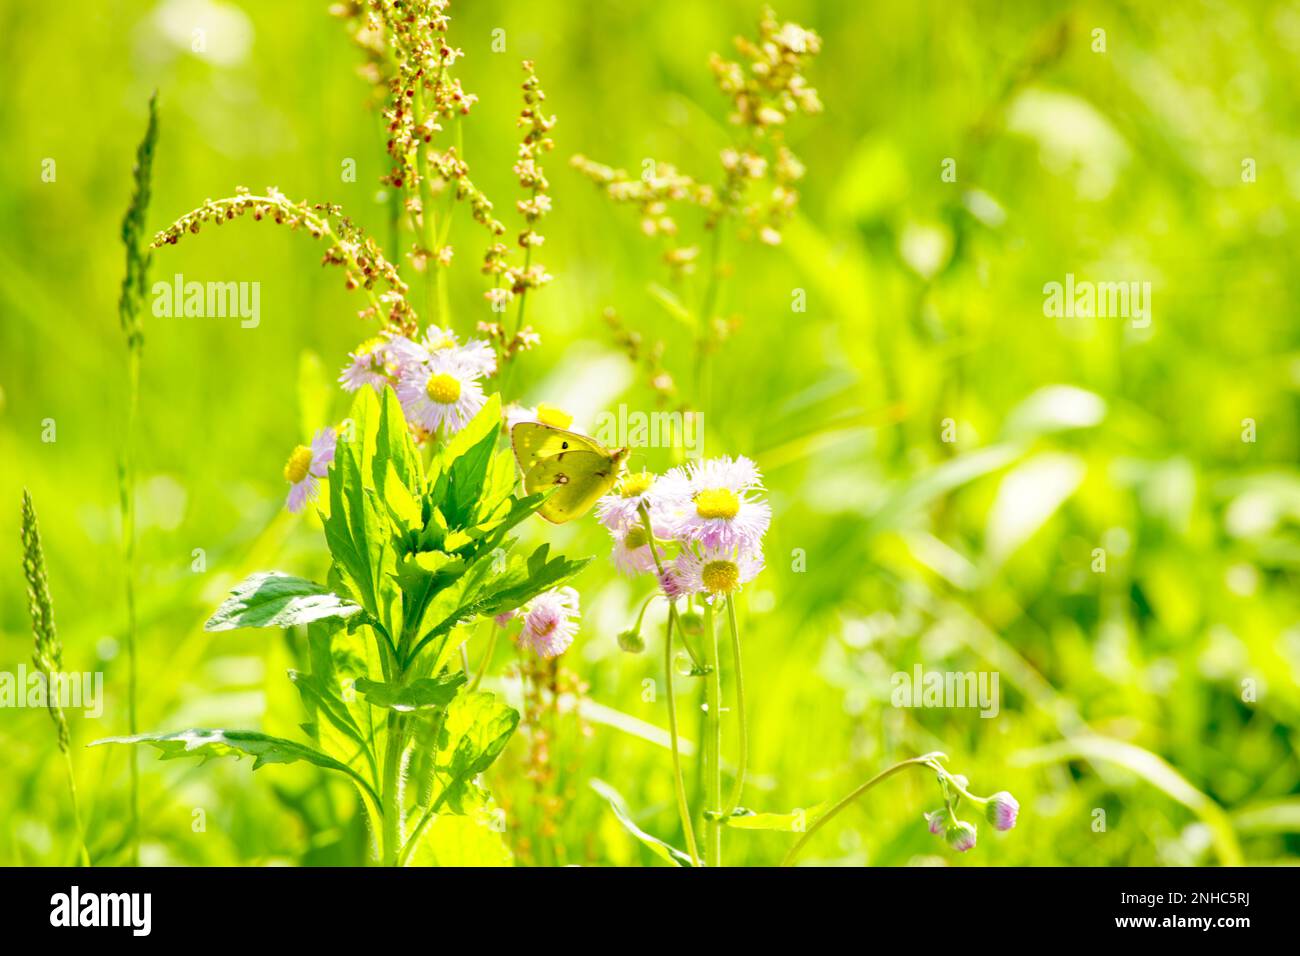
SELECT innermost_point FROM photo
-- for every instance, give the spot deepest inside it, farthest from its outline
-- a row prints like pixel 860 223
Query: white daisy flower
pixel 306 466
pixel 369 364
pixel 550 622
pixel 632 554
pixel 712 503
pixel 476 354
pixel 442 394
pixel 717 573
pixel 621 508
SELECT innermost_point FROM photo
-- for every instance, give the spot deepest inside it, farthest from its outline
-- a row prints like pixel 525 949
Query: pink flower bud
pixel 1001 810
pixel 961 836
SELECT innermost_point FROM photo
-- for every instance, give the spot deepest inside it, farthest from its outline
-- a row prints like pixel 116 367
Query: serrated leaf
pixel 358 529
pixel 320 698
pixel 524 580
pixel 476 729
pixel 275 599
pixel 263 748
pixel 419 694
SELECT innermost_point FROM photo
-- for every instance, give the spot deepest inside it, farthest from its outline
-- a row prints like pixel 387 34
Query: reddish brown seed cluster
pixel 759 172
pixel 364 264
pixel 515 280
pixel 556 733
pixel 649 357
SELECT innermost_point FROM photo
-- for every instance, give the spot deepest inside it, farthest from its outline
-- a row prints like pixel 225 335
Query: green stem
pixel 392 804
pixel 487 658
pixel 924 760
pixel 128 542
pixel 76 810
pixel 704 321
pixel 679 783
pixel 742 762
pixel 414 839
pixel 433 272
pixel 712 745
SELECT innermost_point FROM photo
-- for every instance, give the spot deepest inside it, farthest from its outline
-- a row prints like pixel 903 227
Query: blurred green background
pixel 1162 691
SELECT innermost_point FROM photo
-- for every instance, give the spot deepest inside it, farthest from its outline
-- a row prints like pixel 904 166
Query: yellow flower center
pixel 295 469
pixel 443 388
pixel 720 577
pixel 635 538
pixel 369 346
pixel 555 417
pixel 636 484
pixel 439 339
pixel 717 503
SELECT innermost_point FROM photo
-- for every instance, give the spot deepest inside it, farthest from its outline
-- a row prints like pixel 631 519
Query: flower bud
pixel 934 820
pixel 961 836
pixel 691 623
pixel 631 641
pixel 1001 810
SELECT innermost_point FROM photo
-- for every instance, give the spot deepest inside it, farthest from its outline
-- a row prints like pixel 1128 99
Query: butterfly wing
pixel 579 478
pixel 533 441
pixel 578 468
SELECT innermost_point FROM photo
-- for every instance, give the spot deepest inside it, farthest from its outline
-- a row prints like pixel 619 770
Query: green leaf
pixel 358 529
pixel 796 821
pixel 1155 771
pixel 463 465
pixel 522 581
pixel 319 697
pixel 1027 498
pixel 665 851
pixel 455 840
pixel 476 729
pixel 393 448
pixel 275 599
pixel 419 694
pixel 263 748
pixel 672 305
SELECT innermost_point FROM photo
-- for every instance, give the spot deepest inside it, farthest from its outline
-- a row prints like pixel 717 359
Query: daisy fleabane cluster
pixel 699 528
pixel 437 380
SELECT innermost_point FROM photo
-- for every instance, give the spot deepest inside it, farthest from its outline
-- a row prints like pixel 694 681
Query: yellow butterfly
pixel 581 468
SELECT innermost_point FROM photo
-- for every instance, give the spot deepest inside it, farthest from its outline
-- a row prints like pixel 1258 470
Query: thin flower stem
pixel 679 783
pixel 712 745
pixel 487 658
pixel 924 760
pixel 704 320
pixel 742 761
